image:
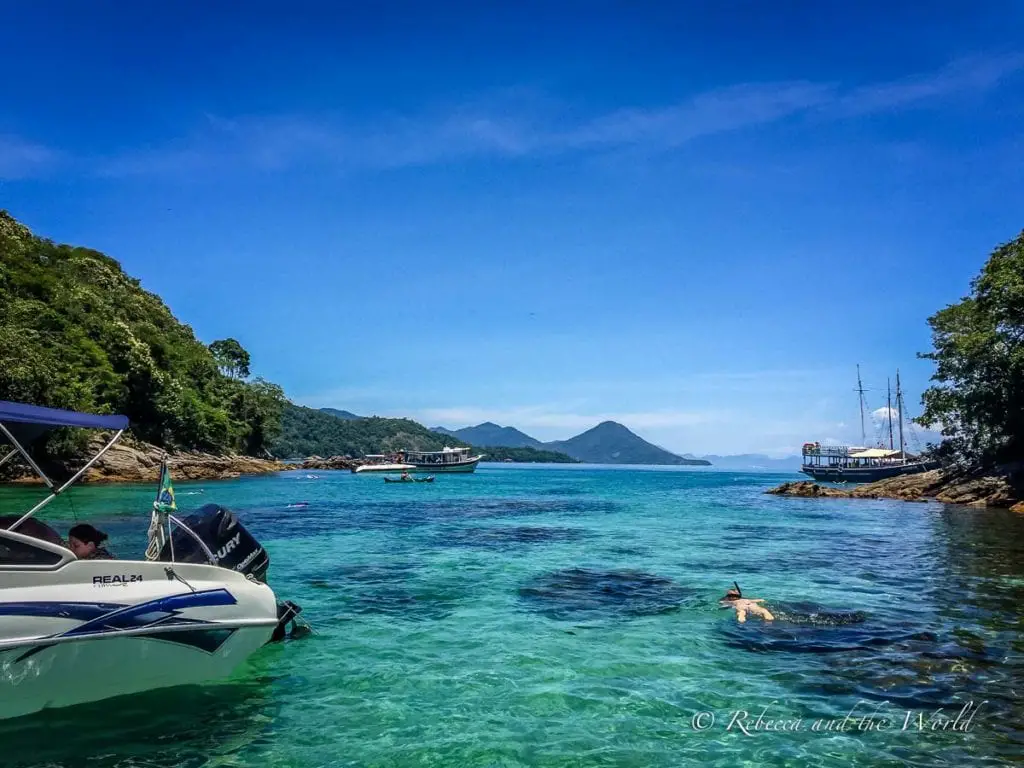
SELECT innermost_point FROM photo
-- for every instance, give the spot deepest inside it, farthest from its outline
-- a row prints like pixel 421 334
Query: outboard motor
pixel 232 546
pixel 227 539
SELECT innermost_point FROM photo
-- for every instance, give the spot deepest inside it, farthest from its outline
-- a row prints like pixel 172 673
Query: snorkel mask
pixel 734 594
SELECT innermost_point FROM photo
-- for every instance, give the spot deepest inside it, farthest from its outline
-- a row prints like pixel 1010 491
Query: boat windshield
pixel 37 529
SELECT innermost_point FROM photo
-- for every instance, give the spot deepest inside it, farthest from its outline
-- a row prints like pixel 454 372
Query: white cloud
pixel 880 415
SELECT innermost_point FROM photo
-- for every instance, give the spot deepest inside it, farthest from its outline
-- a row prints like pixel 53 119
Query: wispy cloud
pixel 22 159
pixel 971 74
pixel 541 126
pixel 510 126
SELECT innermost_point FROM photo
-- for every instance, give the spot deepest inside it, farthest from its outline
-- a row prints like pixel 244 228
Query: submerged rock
pixel 507 537
pixel 807 489
pixel 580 593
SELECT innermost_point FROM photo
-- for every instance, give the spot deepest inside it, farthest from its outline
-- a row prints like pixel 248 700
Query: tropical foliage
pixel 978 398
pixel 77 332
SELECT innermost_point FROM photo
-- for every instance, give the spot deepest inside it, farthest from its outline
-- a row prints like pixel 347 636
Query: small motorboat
pixel 75 631
pixel 429 479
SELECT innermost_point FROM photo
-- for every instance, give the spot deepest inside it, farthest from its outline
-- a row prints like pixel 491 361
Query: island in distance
pixel 607 443
pixel 330 432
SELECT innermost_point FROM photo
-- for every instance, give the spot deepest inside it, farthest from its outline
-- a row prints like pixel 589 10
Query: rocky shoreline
pixel 333 462
pixel 131 461
pixel 1001 487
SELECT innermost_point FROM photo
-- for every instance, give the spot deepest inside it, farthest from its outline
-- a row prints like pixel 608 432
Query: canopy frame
pixel 51 417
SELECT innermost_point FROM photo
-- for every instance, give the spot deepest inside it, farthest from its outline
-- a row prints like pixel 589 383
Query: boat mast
pixel 888 402
pixel 899 407
pixel 860 389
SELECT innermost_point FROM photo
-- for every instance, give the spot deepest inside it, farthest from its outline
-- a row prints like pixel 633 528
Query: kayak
pixel 410 480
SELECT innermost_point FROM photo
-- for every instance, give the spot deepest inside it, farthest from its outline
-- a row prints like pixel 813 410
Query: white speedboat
pixel 75 631
pixel 378 462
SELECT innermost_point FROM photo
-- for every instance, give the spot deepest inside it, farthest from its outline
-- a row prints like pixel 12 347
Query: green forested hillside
pixel 77 332
pixel 524 454
pixel 308 432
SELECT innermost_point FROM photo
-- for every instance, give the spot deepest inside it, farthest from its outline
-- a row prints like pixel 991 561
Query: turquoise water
pixel 567 616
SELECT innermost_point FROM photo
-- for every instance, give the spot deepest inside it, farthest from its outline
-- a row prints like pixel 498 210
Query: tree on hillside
pixel 77 332
pixel 978 398
pixel 231 357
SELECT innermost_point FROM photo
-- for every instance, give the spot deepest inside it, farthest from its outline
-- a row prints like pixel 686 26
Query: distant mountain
pixel 611 443
pixel 492 434
pixel 442 431
pixel 346 415
pixel 755 461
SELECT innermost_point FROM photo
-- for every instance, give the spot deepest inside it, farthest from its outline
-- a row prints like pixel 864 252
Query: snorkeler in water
pixel 743 605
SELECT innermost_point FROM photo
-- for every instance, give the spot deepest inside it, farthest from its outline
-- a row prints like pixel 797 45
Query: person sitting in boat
pixel 87 543
pixel 405 477
pixel 743 605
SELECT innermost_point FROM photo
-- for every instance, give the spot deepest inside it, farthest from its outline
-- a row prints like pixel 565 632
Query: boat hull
pixel 864 474
pixel 94 670
pixel 364 468
pixel 462 466
pixel 77 635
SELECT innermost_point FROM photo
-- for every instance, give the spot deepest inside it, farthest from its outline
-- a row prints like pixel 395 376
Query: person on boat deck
pixel 87 543
pixel 743 605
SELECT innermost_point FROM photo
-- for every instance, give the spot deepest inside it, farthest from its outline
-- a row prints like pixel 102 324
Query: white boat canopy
pixel 874 453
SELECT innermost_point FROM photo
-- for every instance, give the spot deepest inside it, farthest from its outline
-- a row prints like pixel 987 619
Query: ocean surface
pixel 568 616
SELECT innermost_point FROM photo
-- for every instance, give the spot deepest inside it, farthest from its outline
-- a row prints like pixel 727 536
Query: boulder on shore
pixel 334 462
pixel 1000 487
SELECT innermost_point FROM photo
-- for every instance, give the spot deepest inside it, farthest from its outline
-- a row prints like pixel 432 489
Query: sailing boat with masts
pixel 863 464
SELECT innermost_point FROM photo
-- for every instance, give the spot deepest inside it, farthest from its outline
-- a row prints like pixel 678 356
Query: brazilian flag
pixel 163 506
pixel 165 494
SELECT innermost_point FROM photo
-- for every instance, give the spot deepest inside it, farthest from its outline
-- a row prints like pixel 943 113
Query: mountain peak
pixel 613 443
pixel 491 434
pixel 608 425
pixel 338 414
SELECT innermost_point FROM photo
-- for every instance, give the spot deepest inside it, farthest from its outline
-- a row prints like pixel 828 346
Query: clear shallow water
pixel 568 617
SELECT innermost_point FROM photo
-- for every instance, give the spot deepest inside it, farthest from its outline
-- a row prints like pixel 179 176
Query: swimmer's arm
pixel 741 614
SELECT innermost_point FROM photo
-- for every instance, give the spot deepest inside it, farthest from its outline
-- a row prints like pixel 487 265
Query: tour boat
pixel 75 631
pixel 446 460
pixel 862 464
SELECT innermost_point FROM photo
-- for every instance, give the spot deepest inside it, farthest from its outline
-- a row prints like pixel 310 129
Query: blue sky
pixel 693 218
